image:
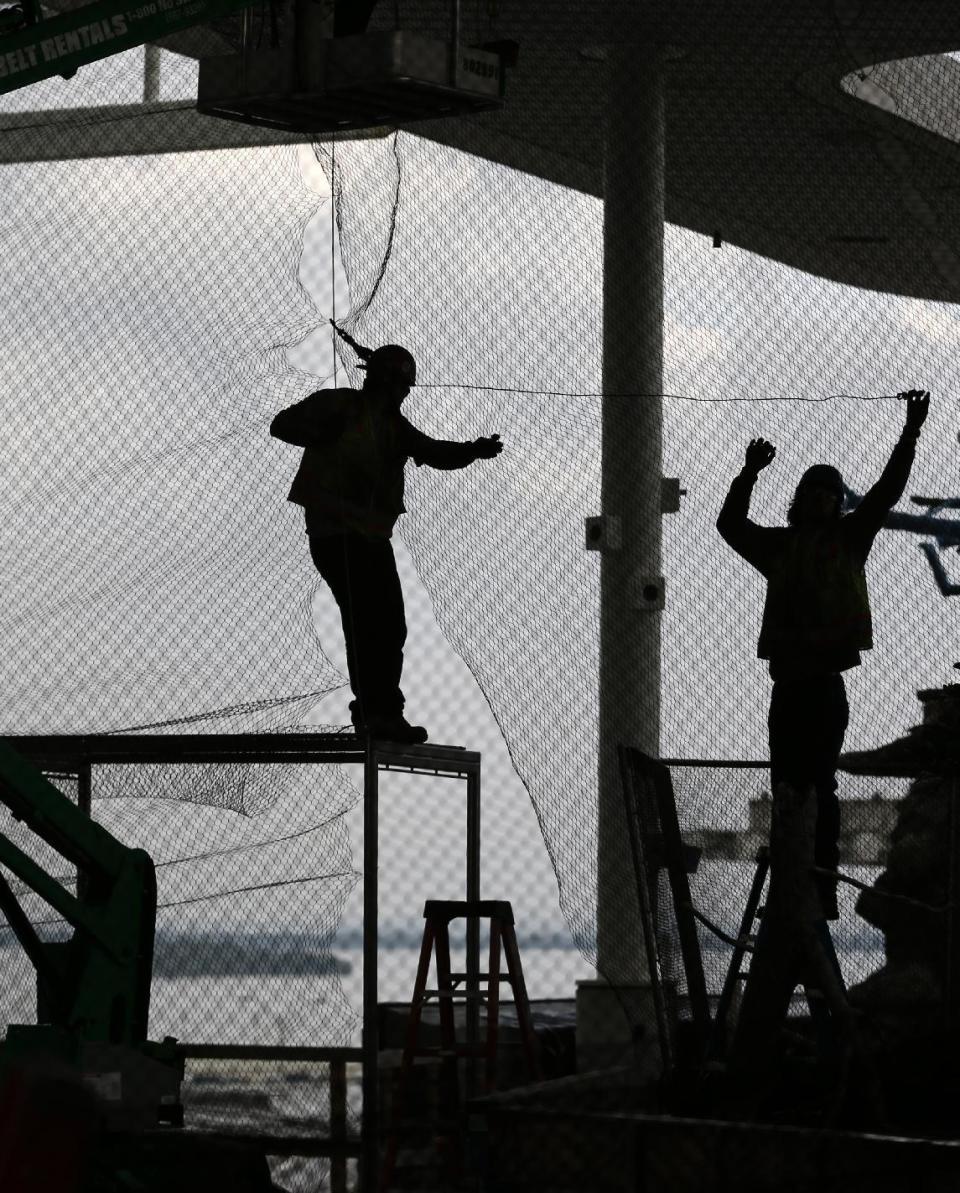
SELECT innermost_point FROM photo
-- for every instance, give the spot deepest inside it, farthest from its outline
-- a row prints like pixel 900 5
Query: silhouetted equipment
pixel 320 84
pixel 945 531
pixel 93 990
pixel 742 945
pixel 68 828
pixel 308 80
pixel 436 938
pixel 37 46
pixel 657 846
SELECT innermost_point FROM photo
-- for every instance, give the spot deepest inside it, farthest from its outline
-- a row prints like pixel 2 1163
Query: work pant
pixel 361 572
pixel 807 722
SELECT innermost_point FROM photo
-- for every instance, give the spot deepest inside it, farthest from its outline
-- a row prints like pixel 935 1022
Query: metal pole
pixel 953 918
pixel 85 804
pixel 630 583
pixel 473 925
pixel 369 1128
pixel 338 1124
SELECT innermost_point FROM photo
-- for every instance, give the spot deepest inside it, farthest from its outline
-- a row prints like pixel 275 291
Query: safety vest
pixel 817 602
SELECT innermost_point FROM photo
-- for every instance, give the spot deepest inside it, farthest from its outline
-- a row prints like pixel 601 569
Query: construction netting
pixel 478 542
pixel 160 308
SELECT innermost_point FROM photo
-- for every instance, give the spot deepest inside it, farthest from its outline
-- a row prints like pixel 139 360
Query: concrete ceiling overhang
pixel 765 145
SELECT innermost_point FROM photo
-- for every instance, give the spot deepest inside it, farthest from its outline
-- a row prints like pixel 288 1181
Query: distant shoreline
pixel 294 954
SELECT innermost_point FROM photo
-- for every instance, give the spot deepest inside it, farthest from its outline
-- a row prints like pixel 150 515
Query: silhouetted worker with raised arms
pixel 816 621
pixel 350 484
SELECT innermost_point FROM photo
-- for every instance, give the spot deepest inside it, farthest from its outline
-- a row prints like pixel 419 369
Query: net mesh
pixel 155 579
pixel 529 523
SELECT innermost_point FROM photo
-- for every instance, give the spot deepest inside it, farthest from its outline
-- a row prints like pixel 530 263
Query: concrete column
pixel 631 588
pixel 632 456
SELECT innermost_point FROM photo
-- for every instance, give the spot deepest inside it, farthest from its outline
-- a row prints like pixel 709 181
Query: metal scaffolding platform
pixel 77 755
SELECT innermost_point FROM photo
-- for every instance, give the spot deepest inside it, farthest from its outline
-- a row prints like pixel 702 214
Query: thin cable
pixel 218 714
pixel 363 353
pixel 391 234
pixel 560 393
pixel 937 908
pixel 218 895
pixel 356 712
pixel 262 887
pixel 333 255
pixel 202 857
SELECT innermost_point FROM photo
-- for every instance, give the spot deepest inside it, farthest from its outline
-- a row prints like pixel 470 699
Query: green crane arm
pixel 58 45
pixel 97 984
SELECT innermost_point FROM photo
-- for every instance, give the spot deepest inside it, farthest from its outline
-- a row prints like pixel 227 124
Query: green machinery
pixel 93 989
pixel 35 47
pixel 307 80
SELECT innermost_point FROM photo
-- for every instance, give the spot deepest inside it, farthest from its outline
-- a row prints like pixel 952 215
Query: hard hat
pixel 392 359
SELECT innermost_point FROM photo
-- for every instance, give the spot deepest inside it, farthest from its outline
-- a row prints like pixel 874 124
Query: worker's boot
pixel 932 746
pixel 394 728
pixel 358 718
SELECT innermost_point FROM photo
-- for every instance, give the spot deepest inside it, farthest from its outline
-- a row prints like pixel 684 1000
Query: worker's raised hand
pixel 487 448
pixel 759 454
pixel 918 402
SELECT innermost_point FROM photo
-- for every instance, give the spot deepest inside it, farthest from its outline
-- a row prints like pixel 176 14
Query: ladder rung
pixel 480 977
pixel 454 994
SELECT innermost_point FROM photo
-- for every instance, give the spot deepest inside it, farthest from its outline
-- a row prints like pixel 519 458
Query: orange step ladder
pixel 436 937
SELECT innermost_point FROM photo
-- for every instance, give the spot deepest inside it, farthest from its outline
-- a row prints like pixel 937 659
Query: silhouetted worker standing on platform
pixel 816 621
pixel 350 484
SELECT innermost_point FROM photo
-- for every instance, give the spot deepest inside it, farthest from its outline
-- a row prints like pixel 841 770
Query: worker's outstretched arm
pixel 448 454
pixel 867 519
pixel 314 422
pixel 746 537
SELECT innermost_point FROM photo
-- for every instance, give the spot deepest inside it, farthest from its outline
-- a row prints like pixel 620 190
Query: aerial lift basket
pixel 320 85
